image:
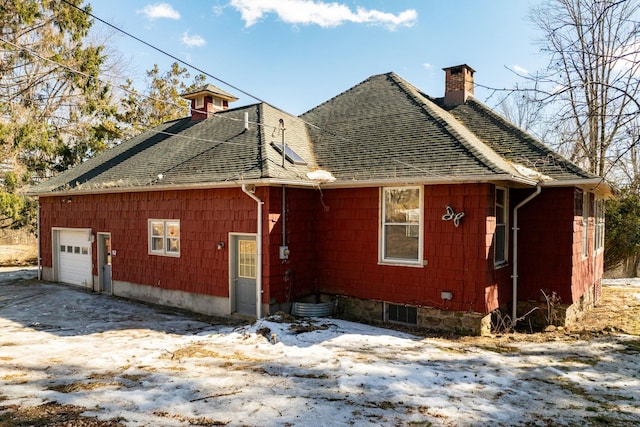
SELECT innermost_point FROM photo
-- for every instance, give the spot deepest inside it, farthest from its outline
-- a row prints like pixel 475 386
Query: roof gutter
pixel 251 193
pixel 290 183
pixel 596 185
pixel 514 277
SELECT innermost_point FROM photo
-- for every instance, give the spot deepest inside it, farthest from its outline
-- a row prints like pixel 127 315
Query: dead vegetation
pixel 51 414
pixel 18 255
pixel 618 312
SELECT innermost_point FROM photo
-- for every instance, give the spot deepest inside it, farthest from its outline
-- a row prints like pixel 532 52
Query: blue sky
pixel 296 54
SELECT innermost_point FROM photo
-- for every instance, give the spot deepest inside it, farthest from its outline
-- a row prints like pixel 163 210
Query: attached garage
pixel 72 256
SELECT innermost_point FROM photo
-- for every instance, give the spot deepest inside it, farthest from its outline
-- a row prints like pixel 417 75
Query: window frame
pixel 599 225
pixel 505 224
pixel 586 210
pixel 409 312
pixel 382 249
pixel 166 237
pixel 199 103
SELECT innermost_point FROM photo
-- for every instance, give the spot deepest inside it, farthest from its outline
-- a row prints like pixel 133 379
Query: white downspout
pixel 251 194
pixel 515 253
pixel 39 245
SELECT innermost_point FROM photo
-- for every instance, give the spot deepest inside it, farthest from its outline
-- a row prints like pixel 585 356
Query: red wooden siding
pixel 295 277
pixel 587 270
pixel 333 236
pixel 550 247
pixel 458 259
pixel 206 217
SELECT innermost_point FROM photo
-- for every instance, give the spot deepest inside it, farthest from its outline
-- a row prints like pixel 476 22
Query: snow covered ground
pixel 152 367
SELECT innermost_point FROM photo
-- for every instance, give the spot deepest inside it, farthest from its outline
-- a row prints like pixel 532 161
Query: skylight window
pixel 289 154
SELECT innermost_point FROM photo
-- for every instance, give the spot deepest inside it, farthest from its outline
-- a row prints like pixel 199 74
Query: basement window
pixel 402 314
pixel 164 237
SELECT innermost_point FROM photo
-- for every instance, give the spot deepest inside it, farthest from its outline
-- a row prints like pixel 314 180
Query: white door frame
pixel 100 261
pixel 233 250
pixel 55 248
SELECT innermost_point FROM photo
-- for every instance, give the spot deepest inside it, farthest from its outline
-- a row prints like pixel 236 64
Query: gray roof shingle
pixel 193 153
pixel 379 130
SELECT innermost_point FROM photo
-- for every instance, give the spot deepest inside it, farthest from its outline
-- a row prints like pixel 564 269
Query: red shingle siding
pixel 548 245
pixel 587 268
pixel 206 217
pixel 456 257
pixel 295 277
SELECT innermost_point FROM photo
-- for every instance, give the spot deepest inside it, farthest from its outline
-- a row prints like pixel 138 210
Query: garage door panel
pixel 74 257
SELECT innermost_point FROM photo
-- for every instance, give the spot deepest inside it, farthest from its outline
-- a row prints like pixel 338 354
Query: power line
pixel 163 51
pixel 123 88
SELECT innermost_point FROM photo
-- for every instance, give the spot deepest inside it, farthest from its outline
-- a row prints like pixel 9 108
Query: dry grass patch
pixel 192 421
pixel 51 414
pixel 201 351
pixel 82 386
pixel 18 255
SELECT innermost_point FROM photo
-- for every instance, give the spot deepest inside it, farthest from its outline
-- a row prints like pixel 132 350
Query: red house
pixel 434 212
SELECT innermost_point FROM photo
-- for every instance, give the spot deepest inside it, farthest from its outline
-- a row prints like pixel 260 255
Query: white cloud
pixel 518 69
pixel 192 41
pixel 160 10
pixel 427 66
pixel 320 13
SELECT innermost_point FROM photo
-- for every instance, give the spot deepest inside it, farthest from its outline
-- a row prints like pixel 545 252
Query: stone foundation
pixel 428 318
pixel 556 315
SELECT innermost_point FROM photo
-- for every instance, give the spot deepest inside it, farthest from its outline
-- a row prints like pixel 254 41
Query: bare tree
pixel 592 79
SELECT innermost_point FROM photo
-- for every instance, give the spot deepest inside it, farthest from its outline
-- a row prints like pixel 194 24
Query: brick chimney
pixel 458 84
pixel 207 100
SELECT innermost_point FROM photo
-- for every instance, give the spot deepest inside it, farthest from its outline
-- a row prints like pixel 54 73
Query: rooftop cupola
pixel 458 84
pixel 207 100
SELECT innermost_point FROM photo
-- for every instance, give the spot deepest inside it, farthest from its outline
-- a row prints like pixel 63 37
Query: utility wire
pixel 125 89
pixel 163 51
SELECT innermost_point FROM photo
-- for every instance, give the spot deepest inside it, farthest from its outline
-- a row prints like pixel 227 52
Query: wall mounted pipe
pixel 39 243
pixel 251 193
pixel 514 312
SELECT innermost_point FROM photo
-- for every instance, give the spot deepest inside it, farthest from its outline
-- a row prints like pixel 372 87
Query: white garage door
pixel 74 257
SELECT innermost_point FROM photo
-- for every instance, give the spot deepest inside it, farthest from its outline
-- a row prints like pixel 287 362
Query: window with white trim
pixel 500 236
pixel 199 103
pixel 401 229
pixel 164 237
pixel 598 232
pixel 585 224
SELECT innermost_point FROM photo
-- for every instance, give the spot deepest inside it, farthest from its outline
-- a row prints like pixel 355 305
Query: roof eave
pixel 595 185
pixel 295 183
pixel 169 187
pixel 463 179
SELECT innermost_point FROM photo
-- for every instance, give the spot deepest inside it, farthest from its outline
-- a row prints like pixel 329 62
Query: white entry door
pixel 74 257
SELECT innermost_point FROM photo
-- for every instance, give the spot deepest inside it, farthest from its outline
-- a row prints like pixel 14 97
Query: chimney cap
pixel 209 89
pixel 459 67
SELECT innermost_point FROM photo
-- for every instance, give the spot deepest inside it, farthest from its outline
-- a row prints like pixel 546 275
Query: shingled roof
pixel 187 153
pixel 380 131
pixel 385 128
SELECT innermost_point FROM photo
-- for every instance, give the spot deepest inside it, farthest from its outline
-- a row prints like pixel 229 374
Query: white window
pixel 598 238
pixel 247 259
pixel 199 102
pixel 500 238
pixel 164 237
pixel 401 228
pixel 585 223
